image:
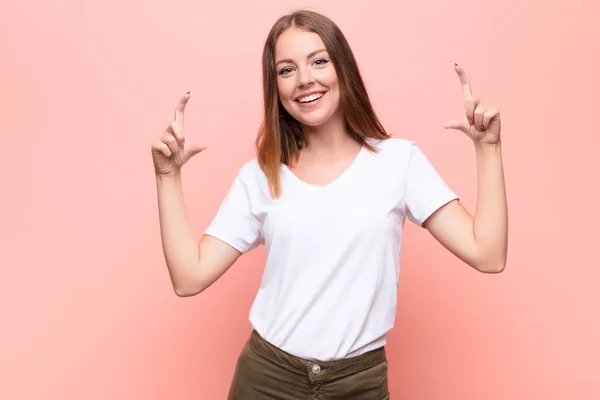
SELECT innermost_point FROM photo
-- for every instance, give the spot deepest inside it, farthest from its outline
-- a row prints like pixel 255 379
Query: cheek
pixel 285 89
pixel 329 78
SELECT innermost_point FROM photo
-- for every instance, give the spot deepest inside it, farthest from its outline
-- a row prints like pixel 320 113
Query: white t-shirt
pixel 329 288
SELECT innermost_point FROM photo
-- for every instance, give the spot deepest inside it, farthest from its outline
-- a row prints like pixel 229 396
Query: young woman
pixel 327 195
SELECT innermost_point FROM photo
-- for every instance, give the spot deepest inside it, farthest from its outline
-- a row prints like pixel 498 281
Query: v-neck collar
pixel 343 176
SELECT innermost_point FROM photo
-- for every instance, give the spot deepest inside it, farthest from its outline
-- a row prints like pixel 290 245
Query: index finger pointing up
pixel 464 81
pixel 180 109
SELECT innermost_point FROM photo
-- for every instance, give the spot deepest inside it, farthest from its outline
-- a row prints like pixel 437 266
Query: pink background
pixel 86 303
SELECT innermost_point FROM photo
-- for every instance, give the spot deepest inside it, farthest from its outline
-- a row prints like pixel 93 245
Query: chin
pixel 312 119
pixel 313 122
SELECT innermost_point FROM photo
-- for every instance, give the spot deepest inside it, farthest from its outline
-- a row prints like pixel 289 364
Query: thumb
pixel 458 125
pixel 193 149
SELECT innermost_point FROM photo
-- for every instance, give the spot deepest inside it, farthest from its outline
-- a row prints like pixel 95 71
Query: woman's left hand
pixel 481 121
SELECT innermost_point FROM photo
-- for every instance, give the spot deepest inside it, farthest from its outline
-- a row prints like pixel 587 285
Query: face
pixel 306 79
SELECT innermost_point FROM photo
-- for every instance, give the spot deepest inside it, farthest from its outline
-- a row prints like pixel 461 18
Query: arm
pixel 481 242
pixel 192 266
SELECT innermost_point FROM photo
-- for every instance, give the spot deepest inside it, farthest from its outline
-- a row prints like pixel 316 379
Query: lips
pixel 309 97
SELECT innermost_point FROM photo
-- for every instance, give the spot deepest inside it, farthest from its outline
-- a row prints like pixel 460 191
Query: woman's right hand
pixel 170 151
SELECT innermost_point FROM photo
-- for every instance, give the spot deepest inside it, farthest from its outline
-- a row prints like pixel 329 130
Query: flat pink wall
pixel 86 304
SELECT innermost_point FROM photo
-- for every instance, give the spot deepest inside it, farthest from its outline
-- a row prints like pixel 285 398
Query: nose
pixel 305 78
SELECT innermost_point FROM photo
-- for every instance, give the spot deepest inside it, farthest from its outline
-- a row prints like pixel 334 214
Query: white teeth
pixel 312 97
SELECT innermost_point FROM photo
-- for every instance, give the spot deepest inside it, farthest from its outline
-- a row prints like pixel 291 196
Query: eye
pixel 321 61
pixel 285 70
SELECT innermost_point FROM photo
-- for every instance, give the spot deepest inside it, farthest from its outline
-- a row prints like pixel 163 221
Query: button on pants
pixel 264 372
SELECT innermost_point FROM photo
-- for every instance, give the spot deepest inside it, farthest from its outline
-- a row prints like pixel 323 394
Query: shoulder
pixel 396 150
pixel 249 167
pixel 251 175
pixel 392 144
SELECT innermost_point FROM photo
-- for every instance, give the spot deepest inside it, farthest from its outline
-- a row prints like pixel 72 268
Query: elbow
pixel 490 261
pixel 187 281
pixel 491 267
pixel 188 288
pixel 186 291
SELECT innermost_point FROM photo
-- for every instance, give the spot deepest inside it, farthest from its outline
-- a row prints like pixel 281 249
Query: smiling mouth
pixel 310 98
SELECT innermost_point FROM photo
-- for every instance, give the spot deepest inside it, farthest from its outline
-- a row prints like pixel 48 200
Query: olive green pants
pixel 264 372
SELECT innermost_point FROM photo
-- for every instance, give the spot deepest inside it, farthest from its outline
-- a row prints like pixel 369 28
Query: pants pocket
pixel 258 378
pixel 368 384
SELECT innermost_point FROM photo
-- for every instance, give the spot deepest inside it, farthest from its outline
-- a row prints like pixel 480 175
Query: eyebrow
pixel 311 54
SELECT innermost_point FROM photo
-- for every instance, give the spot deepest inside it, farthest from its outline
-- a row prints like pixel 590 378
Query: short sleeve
pixel 234 222
pixel 426 190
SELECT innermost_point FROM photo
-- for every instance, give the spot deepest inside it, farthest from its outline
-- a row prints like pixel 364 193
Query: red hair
pixel 280 136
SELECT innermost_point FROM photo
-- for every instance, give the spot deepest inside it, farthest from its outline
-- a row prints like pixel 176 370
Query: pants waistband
pixel 316 369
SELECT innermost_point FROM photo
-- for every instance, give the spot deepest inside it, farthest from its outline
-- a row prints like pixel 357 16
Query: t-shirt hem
pixel 227 239
pixel 426 214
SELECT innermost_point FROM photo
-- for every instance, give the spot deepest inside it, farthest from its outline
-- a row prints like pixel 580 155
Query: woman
pixel 327 195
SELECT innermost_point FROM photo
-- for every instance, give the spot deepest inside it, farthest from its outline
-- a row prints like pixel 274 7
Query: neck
pixel 329 139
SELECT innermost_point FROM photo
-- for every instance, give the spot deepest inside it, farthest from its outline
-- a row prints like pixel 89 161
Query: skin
pixel 303 67
pixel 480 241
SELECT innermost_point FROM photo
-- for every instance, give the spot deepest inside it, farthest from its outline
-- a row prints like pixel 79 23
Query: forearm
pixel 179 245
pixel 491 216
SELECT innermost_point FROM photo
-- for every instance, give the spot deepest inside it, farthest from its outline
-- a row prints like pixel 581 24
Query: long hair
pixel 280 137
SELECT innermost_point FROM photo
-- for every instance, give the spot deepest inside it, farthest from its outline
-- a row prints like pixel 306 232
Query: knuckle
pixel 168 139
pixel 176 128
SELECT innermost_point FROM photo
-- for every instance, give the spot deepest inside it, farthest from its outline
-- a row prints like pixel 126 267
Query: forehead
pixel 295 43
